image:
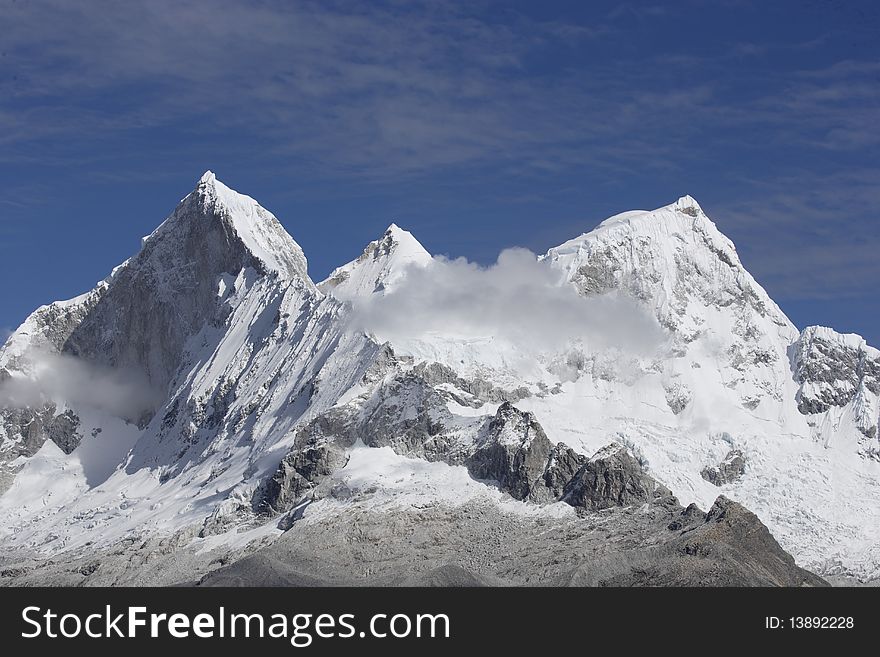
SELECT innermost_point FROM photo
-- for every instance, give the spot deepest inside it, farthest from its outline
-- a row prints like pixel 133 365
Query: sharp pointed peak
pixel 396 238
pixel 396 233
pixel 687 201
pixel 382 263
pixel 255 227
pixel 213 191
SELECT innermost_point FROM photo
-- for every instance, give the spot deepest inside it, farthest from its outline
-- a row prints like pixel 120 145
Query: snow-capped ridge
pixel 680 216
pixel 656 255
pixel 383 262
pixel 853 340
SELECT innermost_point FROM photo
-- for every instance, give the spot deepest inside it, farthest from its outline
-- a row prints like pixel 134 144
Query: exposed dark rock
pixel 514 451
pixel 62 430
pixel 613 477
pixel 298 473
pixel 390 422
pixel 833 369
pixel 734 536
pixel 687 519
pixel 295 514
pixel 36 425
pixel 561 468
pixel 481 390
pixel 141 324
pixel 728 471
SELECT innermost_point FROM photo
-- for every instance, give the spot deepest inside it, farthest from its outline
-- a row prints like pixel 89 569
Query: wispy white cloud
pixel 519 299
pixel 808 236
pixel 63 379
pixel 379 89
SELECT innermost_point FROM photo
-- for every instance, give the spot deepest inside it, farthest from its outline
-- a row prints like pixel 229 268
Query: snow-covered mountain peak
pixel 382 263
pixel 674 258
pixel 687 201
pixel 257 228
pixel 679 218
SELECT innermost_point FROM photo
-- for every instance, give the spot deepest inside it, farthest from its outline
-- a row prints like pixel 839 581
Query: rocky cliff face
pixel 175 285
pixel 838 373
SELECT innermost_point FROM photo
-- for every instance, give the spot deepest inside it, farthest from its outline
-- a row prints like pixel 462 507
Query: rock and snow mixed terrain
pixel 208 398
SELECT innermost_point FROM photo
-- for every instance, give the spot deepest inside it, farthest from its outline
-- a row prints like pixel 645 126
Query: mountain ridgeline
pixel 208 397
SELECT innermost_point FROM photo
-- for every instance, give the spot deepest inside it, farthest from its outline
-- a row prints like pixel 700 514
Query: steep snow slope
pixel 267 389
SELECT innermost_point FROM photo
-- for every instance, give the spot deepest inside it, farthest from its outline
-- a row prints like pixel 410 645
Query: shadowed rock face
pixel 319 452
pixel 514 452
pixel 612 478
pixel 297 474
pixel 834 370
pixel 562 466
pixel 35 426
pixel 133 324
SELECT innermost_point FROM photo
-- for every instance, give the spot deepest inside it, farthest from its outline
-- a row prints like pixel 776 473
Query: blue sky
pixel 477 126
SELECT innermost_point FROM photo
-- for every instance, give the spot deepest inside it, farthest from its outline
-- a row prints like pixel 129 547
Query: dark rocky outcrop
pixel 728 471
pixel 390 421
pixel 514 451
pixel 298 473
pixel 833 370
pixel 563 464
pixel 613 477
pixel 481 390
pixel 36 425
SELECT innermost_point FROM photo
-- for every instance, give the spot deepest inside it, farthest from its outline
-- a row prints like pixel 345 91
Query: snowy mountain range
pixel 208 397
